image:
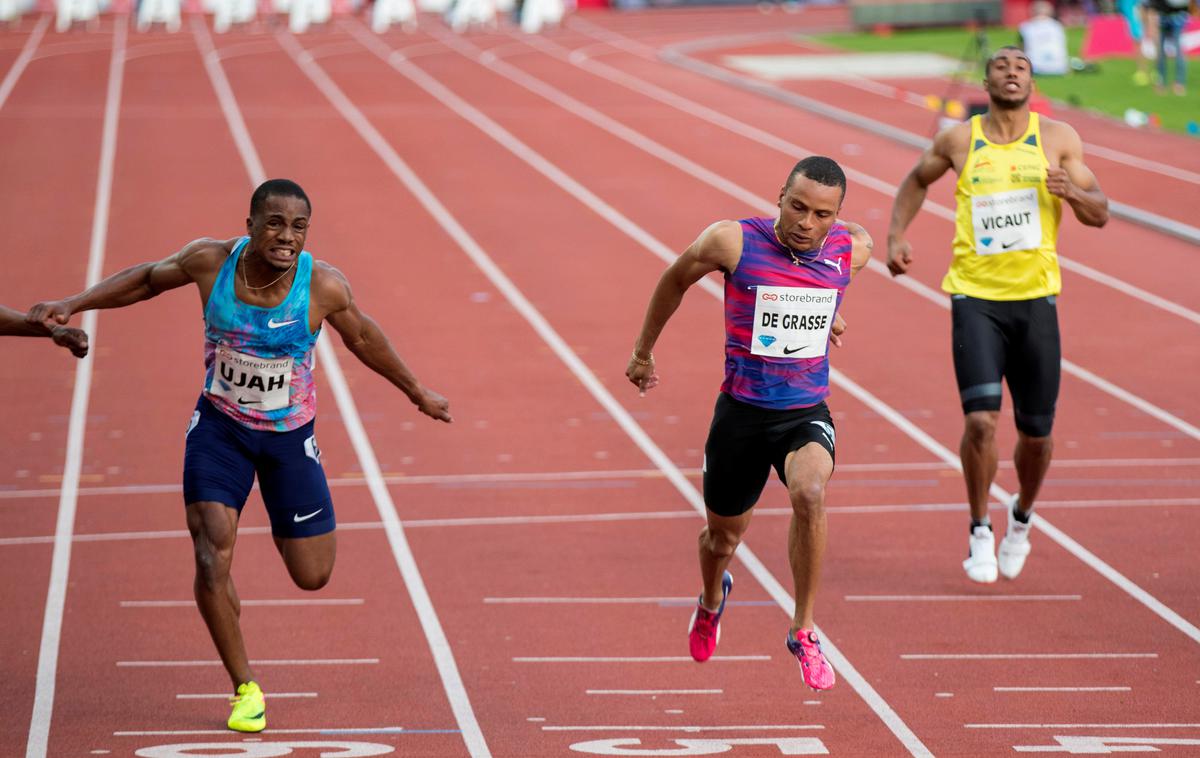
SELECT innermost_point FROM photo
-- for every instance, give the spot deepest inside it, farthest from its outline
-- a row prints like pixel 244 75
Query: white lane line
pixel 760 512
pixel 228 103
pixel 653 692
pixel 589 600
pixel 225 695
pixel 18 66
pixel 1083 726
pixel 256 662
pixel 274 730
pixel 755 134
pixel 1116 156
pixel 551 337
pixel 635 659
pixel 602 475
pixel 957 598
pixel 1023 655
pixel 439 645
pixel 705 728
pixel 269 603
pixel 60 561
pixel 1062 689
pixel 538 162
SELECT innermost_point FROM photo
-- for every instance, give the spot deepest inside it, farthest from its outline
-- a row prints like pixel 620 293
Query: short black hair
pixel 276 188
pixel 821 170
pixel 987 67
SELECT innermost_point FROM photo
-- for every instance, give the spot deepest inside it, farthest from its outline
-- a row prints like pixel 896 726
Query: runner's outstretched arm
pixel 13 324
pixel 363 337
pixel 132 285
pixel 718 248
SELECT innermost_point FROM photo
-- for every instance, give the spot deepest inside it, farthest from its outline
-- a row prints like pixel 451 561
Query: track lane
pixel 99 638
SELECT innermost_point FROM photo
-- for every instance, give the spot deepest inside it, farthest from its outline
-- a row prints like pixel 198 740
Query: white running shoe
pixel 1015 547
pixel 981 565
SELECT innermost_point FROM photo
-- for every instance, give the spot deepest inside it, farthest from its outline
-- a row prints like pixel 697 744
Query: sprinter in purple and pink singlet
pixel 264 299
pixel 784 281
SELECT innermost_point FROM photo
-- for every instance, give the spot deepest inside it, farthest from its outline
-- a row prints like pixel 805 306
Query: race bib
pixel 250 381
pixel 1006 222
pixel 792 322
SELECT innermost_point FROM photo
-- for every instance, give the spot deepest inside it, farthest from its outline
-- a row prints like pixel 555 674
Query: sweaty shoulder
pixel 721 245
pixel 205 255
pixel 953 140
pixel 330 288
pixel 1059 138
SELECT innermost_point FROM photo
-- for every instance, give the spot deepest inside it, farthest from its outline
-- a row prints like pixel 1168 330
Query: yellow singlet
pixel 1006 224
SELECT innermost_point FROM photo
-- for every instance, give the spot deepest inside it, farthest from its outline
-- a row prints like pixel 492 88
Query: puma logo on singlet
pixel 832 264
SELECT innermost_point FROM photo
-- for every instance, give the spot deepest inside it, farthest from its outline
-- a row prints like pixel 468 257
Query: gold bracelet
pixel 643 361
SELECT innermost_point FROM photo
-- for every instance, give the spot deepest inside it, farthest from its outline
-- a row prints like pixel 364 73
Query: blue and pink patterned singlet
pixel 259 360
pixel 778 313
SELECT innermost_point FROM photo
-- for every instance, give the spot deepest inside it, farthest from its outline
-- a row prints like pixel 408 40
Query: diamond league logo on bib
pixel 766 339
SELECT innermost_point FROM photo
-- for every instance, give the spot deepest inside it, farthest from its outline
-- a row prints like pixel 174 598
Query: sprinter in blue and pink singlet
pixel 784 281
pixel 265 299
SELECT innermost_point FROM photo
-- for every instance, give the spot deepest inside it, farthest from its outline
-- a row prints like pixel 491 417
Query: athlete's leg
pixel 1032 460
pixel 979 459
pixel 978 335
pixel 309 560
pixel 1034 377
pixel 736 467
pixel 213 527
pixel 807 471
pixel 298 503
pixel 718 541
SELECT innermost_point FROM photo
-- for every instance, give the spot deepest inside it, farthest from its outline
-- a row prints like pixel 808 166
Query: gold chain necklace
pixel 795 261
pixel 786 246
pixel 285 273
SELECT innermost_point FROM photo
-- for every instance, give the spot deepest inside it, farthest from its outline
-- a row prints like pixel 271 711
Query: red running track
pixel 504 218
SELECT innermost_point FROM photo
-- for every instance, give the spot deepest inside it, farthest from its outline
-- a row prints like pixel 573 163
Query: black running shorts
pixel 1017 340
pixel 745 441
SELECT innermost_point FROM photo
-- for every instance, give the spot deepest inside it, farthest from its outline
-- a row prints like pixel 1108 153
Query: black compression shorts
pixel 1017 340
pixel 746 441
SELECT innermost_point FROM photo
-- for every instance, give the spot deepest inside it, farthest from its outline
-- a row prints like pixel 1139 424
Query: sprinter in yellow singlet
pixel 1014 169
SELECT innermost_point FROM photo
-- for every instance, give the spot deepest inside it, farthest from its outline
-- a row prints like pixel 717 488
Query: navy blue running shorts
pixel 746 441
pixel 222 457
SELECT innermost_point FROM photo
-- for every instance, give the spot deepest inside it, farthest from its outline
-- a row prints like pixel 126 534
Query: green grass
pixel 1108 89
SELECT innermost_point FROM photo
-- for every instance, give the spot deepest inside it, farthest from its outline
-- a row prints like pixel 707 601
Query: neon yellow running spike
pixel 249 709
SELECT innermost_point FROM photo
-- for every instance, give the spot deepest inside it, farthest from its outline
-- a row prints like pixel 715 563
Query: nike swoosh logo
pixel 790 350
pixel 273 324
pixel 243 401
pixel 298 518
pixel 1007 245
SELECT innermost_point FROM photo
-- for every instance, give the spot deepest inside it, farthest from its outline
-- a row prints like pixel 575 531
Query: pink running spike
pixel 704 630
pixel 817 672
